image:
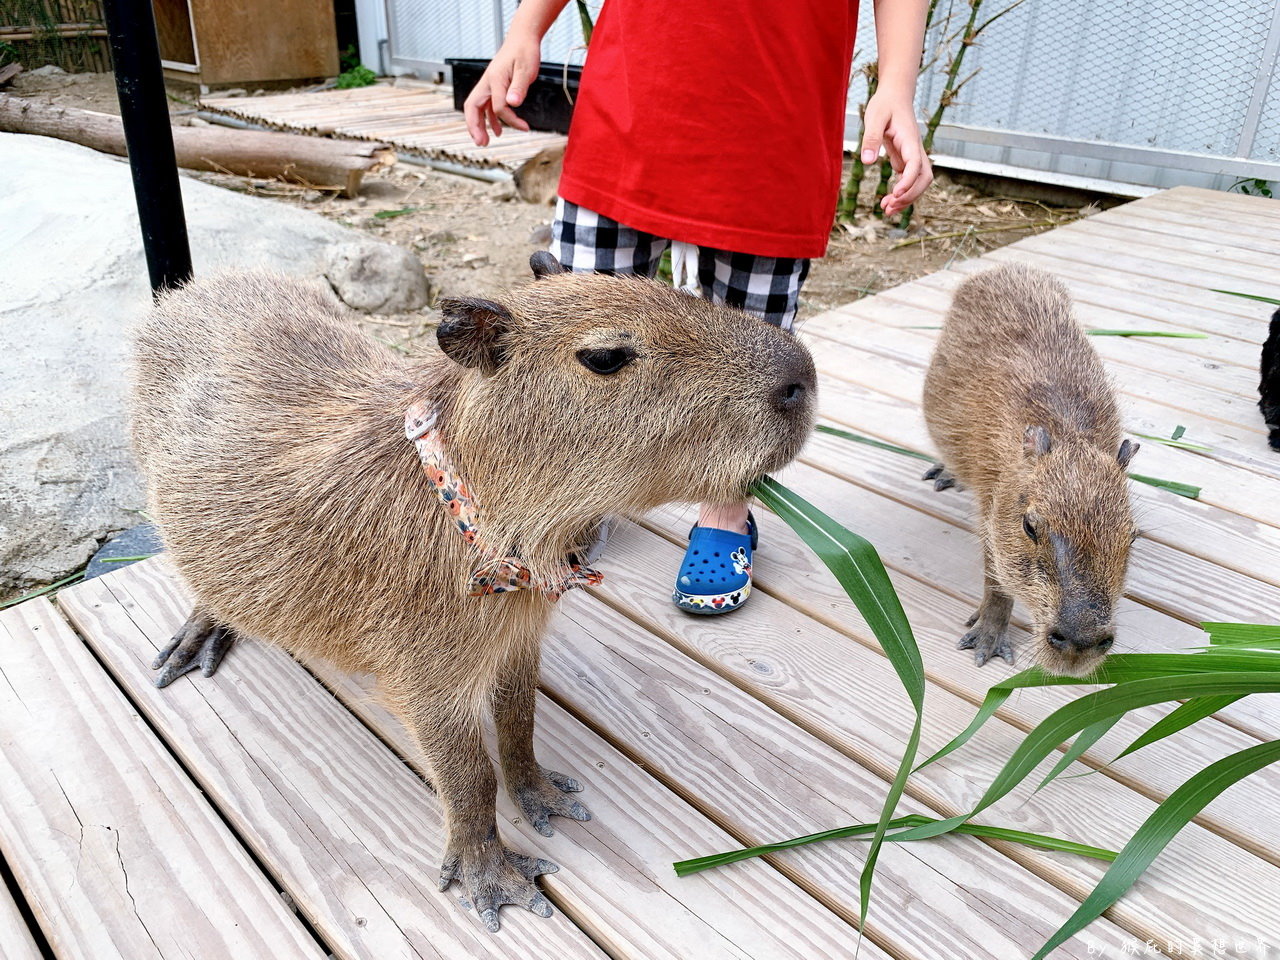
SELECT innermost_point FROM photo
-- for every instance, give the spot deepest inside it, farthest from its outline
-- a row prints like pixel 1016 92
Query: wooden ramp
pixel 416 119
pixel 273 810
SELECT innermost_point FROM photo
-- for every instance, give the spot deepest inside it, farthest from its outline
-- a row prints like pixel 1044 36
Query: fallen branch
pixel 316 162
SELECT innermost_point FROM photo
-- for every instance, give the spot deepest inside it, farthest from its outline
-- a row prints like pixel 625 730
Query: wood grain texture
pixel 240 41
pixel 616 879
pixel 15 936
pixel 115 849
pixel 349 832
pixel 763 778
pixel 847 694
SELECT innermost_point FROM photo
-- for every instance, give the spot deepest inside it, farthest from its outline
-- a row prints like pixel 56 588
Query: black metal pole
pixel 135 53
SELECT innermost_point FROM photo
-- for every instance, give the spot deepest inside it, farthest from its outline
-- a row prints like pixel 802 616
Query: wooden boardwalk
pixel 270 812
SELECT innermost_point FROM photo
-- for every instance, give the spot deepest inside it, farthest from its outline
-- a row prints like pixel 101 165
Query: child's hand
pixel 891 121
pixel 503 86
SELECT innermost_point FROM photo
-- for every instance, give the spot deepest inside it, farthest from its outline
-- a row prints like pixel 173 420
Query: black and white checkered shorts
pixel 768 287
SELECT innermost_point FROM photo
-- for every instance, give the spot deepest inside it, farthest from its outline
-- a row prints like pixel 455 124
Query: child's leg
pixel 585 241
pixel 768 287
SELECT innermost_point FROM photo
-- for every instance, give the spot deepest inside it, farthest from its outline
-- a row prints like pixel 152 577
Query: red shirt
pixel 715 122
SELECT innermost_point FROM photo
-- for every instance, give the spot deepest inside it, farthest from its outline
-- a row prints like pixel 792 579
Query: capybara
pixel 1269 387
pixel 538 179
pixel 273 435
pixel 1019 406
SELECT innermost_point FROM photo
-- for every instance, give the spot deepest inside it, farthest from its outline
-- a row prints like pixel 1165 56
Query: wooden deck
pixel 269 812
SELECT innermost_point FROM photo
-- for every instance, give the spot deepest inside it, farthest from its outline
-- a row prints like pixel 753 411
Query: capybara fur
pixel 1269 387
pixel 272 435
pixel 1019 406
pixel 537 180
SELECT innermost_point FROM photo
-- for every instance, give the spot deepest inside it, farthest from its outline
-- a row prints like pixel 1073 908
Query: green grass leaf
pixel 1248 296
pixel 389 214
pixel 144 556
pixel 1178 431
pixel 1188 713
pixel 858 830
pixel 858 438
pixel 859 570
pixel 1086 739
pixel 1173 486
pixel 1227 634
pixel 1173 334
pixel 79 574
pixel 1155 833
pixel 1174 441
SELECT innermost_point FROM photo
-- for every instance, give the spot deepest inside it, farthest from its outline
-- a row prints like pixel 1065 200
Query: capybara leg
pixel 537 791
pixel 942 480
pixel 200 643
pixel 990 634
pixel 491 874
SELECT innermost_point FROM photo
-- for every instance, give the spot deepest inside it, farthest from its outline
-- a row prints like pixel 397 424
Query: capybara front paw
pixel 987 640
pixel 493 876
pixel 200 643
pixel 942 479
pixel 545 797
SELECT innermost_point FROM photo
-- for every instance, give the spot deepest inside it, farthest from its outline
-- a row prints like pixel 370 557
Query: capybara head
pixel 538 179
pixel 1060 529
pixel 586 395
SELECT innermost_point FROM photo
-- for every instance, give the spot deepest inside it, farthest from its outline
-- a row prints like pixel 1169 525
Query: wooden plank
pixel 764 778
pixel 848 695
pixel 1179 221
pixel 15 936
pixel 1203 243
pixel 116 851
pixel 615 878
pixel 350 833
pixel 635 905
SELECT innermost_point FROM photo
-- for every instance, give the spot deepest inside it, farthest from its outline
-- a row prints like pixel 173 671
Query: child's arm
pixel 512 69
pixel 890 116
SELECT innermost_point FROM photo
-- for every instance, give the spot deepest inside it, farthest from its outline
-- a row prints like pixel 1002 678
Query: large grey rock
pixel 377 277
pixel 72 280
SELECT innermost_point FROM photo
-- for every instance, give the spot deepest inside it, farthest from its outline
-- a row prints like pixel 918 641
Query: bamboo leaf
pixel 1173 486
pixel 1175 442
pixel 1248 296
pixel 685 868
pixel 1086 739
pixel 1173 334
pixel 1233 633
pixel 859 570
pixel 1188 713
pixel 871 442
pixel 1155 833
pixel 43 590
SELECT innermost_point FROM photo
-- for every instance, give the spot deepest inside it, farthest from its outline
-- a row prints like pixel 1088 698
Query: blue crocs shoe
pixel 716 574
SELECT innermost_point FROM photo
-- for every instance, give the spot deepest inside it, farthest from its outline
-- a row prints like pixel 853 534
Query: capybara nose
pixel 795 383
pixel 1065 642
pixel 790 395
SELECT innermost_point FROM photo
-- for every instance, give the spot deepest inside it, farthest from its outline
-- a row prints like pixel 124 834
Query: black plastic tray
pixel 546 107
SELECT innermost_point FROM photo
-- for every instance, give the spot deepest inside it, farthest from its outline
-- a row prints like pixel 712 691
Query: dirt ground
pixel 474 238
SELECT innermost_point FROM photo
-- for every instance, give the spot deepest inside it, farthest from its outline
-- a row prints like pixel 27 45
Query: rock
pixel 48 70
pixel 140 541
pixel 377 277
pixel 72 278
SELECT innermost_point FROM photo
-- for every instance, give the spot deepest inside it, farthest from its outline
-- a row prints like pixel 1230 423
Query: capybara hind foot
pixel 545 797
pixel 200 643
pixel 493 876
pixel 942 480
pixel 988 638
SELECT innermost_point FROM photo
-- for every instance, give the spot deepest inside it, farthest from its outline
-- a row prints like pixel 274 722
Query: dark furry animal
pixel 1269 387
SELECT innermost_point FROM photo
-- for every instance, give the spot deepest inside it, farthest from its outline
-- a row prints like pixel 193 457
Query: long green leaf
pixel 1176 442
pixel 1173 486
pixel 1188 713
pixel 1155 833
pixel 1232 633
pixel 43 590
pixel 686 867
pixel 1173 334
pixel 857 566
pixel 1091 708
pixel 1087 738
pixel 1248 296
pixel 858 438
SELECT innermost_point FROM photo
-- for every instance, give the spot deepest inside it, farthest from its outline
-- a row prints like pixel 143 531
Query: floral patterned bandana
pixel 493 574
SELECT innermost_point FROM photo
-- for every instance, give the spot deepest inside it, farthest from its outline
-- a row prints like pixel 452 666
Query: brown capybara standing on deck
pixel 1019 406
pixel 273 435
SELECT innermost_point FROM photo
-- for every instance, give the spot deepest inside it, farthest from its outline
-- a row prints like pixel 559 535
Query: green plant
pixel 1253 187
pixel 354 73
pixel 1240 659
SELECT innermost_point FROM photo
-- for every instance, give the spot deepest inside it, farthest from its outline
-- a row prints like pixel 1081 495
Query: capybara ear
pixel 1127 450
pixel 1036 442
pixel 472 330
pixel 544 264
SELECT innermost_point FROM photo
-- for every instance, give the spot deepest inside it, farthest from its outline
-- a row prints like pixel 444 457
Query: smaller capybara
pixel 417 519
pixel 1269 388
pixel 538 178
pixel 1019 406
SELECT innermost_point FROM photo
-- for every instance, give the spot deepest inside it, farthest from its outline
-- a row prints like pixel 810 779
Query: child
pixel 716 123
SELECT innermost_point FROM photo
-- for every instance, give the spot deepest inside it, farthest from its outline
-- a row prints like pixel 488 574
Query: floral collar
pixel 494 573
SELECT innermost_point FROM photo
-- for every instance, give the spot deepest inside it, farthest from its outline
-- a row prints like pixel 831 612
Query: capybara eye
pixel 1028 529
pixel 605 360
